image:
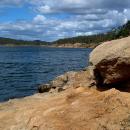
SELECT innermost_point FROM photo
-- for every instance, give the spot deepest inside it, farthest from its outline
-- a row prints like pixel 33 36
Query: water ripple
pixel 22 69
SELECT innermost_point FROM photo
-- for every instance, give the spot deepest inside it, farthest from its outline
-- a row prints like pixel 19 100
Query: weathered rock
pixel 58 83
pixel 110 62
pixel 67 80
pixel 44 88
pixel 73 109
pixel 61 80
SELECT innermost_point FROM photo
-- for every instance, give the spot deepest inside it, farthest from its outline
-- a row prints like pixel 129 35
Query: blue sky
pixel 54 19
pixel 16 14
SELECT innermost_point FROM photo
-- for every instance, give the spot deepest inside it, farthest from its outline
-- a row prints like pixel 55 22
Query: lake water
pixel 22 69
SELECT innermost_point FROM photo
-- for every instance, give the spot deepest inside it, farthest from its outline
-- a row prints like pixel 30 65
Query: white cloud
pixel 44 9
pixel 82 17
pixel 39 19
pixel 79 6
pixel 9 3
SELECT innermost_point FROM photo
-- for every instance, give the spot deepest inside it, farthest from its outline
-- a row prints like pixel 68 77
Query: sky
pixel 49 20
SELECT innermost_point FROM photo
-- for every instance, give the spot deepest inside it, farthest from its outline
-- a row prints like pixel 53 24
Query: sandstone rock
pixel 67 80
pixel 58 83
pixel 72 109
pixel 110 62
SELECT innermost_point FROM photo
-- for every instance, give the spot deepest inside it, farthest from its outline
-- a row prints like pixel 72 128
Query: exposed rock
pixel 67 80
pixel 58 83
pixel 44 88
pixel 110 62
pixel 61 80
pixel 73 109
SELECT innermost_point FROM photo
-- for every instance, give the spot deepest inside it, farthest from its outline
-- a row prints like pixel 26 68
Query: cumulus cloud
pixel 39 19
pixel 58 19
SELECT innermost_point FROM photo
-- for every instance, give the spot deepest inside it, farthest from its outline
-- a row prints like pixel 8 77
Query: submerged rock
pixel 110 62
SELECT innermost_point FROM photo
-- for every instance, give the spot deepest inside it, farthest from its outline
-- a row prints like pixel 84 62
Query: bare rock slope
pixel 73 109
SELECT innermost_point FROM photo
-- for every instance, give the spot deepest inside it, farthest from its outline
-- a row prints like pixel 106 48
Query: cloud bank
pixel 56 19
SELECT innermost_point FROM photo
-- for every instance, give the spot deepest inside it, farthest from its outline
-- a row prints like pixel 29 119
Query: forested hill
pixel 9 41
pixel 119 32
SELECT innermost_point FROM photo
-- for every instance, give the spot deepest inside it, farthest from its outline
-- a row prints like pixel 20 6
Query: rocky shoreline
pixel 96 98
pixel 68 80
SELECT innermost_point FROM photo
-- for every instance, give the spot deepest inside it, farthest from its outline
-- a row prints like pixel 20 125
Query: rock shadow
pixel 121 86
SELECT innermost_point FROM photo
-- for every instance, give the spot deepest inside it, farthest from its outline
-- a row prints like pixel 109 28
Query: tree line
pixel 9 41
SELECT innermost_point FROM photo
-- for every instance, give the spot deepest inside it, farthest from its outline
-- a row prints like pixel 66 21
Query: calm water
pixel 22 69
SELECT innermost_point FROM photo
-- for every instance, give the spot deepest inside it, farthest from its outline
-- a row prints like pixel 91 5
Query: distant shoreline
pixel 79 45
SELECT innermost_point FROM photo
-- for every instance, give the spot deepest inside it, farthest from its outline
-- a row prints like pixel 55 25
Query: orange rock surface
pixel 73 109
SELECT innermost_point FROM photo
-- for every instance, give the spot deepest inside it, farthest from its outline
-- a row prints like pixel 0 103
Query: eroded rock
pixel 73 109
pixel 110 62
pixel 44 88
pixel 68 80
pixel 58 83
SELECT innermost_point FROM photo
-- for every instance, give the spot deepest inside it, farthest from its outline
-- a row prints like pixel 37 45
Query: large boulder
pixel 110 62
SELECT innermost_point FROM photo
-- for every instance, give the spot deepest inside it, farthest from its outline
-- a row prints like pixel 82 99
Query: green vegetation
pixel 9 41
pixel 119 32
